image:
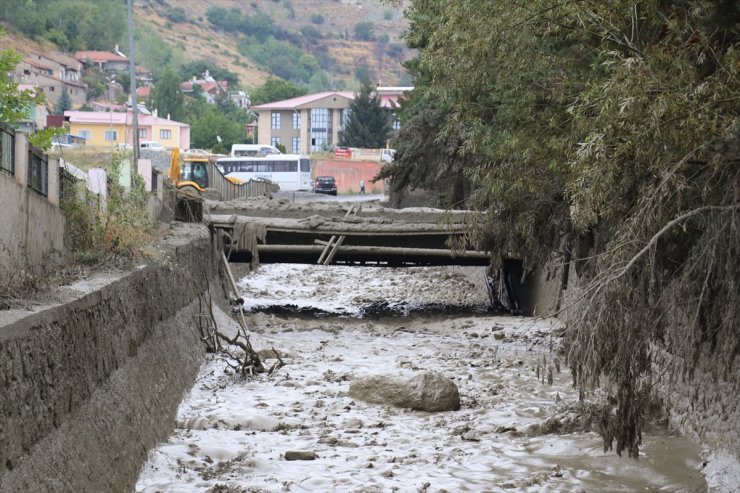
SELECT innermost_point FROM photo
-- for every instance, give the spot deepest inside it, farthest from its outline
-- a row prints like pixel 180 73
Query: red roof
pixel 144 92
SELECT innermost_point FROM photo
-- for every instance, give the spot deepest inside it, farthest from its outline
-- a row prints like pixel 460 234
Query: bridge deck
pixel 368 238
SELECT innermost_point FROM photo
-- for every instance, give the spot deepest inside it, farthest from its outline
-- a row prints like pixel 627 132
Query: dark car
pixel 325 184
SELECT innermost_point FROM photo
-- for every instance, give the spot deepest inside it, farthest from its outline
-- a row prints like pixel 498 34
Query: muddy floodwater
pixel 521 426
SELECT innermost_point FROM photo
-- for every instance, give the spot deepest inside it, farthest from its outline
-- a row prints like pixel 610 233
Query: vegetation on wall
pixel 116 230
pixel 606 133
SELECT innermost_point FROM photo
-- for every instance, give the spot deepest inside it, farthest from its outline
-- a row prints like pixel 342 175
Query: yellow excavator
pixel 198 176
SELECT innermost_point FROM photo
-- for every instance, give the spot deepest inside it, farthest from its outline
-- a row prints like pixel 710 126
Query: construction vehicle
pixel 197 175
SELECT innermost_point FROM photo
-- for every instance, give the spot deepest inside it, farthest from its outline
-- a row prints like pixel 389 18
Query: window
pixel 111 135
pixel 396 122
pixel 345 117
pixel 296 145
pixel 85 134
pixel 142 133
pixel 296 120
pixel 165 134
pixel 275 141
pixel 305 165
pixel 319 129
pixel 275 120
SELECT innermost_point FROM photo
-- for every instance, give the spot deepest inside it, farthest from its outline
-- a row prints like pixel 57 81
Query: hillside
pixel 195 38
pixel 312 43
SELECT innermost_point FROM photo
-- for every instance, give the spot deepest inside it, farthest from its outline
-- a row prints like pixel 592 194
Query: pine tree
pixel 368 124
pixel 64 103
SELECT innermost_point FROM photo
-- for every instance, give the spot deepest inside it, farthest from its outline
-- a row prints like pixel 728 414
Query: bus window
pixel 305 165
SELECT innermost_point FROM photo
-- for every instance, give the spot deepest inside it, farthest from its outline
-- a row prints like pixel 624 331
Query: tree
pixel 604 133
pixel 64 103
pixel 365 31
pixel 167 97
pixel 275 90
pixel 368 124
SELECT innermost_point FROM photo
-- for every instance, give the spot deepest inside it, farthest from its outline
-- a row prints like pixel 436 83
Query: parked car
pixel 153 145
pixel 325 184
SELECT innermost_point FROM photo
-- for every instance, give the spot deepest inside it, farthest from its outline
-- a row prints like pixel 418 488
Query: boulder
pixel 428 391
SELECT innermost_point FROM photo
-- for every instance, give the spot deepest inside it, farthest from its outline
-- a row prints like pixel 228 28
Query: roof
pixel 99 56
pixel 106 117
pixel 297 103
pixel 36 64
pixel 144 92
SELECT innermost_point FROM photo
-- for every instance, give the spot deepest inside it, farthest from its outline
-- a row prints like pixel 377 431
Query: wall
pixel 31 225
pixel 349 173
pixel 88 387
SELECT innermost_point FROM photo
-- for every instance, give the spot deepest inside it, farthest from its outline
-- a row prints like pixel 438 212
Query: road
pixel 302 197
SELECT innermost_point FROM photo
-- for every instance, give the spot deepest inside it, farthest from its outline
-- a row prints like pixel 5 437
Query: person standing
pixel 362 187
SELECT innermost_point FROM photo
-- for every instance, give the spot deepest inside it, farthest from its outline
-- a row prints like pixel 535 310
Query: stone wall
pixel 89 386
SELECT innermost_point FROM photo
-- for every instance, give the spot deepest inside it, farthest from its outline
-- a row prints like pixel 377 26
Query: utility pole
pixel 132 69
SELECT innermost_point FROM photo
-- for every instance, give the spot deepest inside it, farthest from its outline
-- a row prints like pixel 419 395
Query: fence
pixel 7 149
pixel 38 171
pixel 231 191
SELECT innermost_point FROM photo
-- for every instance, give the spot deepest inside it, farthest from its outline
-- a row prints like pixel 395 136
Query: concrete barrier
pixel 89 386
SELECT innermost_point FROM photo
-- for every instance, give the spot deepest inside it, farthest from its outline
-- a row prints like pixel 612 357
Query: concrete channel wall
pixel 87 387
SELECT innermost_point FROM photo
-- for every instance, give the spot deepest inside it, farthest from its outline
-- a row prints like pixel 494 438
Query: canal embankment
pixel 90 382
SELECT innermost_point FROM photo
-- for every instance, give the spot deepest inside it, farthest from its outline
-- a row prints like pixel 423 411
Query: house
pixel 108 128
pixel 208 85
pixel 35 118
pixel 52 78
pixel 314 123
pixel 104 60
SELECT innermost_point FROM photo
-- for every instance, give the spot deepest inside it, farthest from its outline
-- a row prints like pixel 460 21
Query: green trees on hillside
pixel 275 90
pixel 600 131
pixel 71 24
pixel 368 124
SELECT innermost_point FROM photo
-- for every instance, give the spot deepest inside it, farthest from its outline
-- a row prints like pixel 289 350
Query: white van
pixel 253 150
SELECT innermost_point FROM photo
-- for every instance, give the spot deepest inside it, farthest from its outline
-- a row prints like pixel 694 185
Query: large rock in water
pixel 429 391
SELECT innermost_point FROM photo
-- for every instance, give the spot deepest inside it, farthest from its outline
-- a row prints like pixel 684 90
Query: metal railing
pixel 67 183
pixel 7 149
pixel 38 171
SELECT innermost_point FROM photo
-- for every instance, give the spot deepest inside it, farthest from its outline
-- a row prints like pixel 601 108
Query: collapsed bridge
pixel 351 234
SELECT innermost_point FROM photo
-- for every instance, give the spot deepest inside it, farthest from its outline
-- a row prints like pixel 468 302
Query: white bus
pixel 292 172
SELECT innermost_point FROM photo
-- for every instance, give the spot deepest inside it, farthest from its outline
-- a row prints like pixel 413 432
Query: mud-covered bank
pixel 90 383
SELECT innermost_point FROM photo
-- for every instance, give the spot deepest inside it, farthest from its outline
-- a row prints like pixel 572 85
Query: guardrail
pixel 7 149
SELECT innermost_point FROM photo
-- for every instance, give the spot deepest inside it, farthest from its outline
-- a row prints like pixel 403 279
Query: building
pixel 104 60
pixel 209 86
pixel 314 123
pixel 305 124
pixel 36 115
pixel 107 129
pixel 52 77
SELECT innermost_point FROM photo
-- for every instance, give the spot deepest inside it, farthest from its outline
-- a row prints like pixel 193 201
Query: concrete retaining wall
pixel 88 387
pixel 31 225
